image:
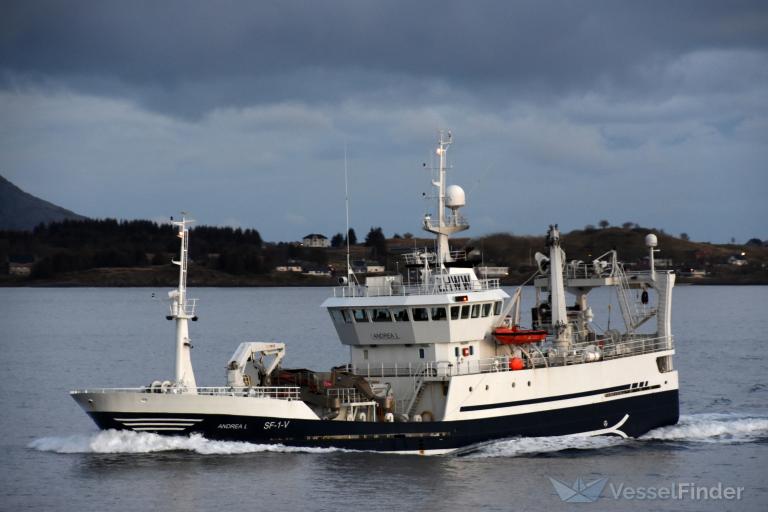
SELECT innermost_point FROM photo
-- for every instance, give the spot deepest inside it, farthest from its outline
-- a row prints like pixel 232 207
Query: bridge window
pixel 475 310
pixel 486 310
pixel 455 312
pixel 497 308
pixel 420 314
pixel 421 353
pixel 346 315
pixel 400 314
pixel 464 312
pixel 381 315
pixel 360 315
pixel 438 314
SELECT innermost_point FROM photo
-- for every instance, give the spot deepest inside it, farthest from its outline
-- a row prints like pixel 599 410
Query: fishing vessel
pixel 438 359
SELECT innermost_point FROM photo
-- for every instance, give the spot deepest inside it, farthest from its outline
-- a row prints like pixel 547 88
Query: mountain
pixel 22 211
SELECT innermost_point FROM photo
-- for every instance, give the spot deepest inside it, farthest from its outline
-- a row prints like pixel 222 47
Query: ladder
pixel 417 392
pixel 634 313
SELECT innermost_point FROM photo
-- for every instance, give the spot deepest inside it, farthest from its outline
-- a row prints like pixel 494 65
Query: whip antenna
pixel 350 274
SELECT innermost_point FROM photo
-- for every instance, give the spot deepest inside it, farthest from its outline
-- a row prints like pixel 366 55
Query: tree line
pixel 76 245
pixel 73 245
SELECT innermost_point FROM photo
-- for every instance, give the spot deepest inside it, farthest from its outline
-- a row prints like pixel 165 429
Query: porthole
pixel 470 389
pixel 513 384
pixel 529 383
pixel 486 387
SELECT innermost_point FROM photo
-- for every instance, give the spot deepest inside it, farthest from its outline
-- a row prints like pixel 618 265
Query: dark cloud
pixel 654 112
pixel 194 56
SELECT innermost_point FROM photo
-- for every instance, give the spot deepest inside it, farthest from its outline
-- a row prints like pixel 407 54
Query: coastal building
pixel 738 260
pixel 318 272
pixel 316 240
pixel 20 265
pixel 659 262
pixel 289 268
pixel 697 273
pixel 364 267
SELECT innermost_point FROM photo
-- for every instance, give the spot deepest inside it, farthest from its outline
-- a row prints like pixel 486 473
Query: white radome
pixel 455 197
pixel 651 240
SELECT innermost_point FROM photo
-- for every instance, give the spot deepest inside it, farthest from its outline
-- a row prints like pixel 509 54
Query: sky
pixel 652 112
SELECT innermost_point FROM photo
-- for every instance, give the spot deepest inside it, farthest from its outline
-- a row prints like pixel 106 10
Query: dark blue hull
pixel 644 413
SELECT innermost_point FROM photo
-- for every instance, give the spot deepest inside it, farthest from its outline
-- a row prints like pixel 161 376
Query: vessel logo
pixel 589 492
pixel 579 492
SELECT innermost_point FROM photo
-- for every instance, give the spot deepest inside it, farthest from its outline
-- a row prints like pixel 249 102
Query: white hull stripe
pixel 152 424
pixel 158 428
pixel 158 419
pixel 468 408
pixel 614 430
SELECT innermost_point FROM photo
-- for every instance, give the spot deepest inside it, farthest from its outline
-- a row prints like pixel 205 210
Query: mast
pixel 182 310
pixel 350 275
pixel 450 197
pixel 560 322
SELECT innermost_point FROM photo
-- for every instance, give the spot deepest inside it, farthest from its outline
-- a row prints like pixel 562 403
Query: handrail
pixel 277 392
pixel 586 352
pixel 420 256
pixel 346 395
pixel 187 310
pixel 435 288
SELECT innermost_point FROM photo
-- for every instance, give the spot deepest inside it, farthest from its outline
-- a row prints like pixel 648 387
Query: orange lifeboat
pixel 516 335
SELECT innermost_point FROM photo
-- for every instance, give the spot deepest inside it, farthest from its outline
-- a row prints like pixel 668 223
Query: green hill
pixel 683 256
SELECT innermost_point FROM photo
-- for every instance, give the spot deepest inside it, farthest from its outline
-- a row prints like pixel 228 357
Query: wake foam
pixel 693 428
pixel 712 428
pixel 125 441
pixel 539 445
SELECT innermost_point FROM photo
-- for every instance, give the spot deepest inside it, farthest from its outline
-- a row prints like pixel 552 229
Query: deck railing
pixel 346 395
pixel 279 392
pixel 581 353
pixel 188 308
pixel 435 288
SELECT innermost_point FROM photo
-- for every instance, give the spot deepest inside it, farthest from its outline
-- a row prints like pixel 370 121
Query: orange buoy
pixel 516 364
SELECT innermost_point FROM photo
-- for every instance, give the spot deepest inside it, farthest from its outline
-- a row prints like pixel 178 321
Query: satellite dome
pixel 454 197
pixel 651 240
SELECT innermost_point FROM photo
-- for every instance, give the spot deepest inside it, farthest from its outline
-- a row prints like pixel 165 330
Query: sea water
pixel 54 458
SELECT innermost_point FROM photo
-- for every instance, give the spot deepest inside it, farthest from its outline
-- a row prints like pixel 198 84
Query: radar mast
pixel 453 198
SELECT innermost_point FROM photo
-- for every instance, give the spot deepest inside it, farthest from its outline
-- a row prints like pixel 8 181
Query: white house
pixel 288 268
pixel 20 265
pixel 316 240
pixel 739 260
pixel 319 272
pixel 363 267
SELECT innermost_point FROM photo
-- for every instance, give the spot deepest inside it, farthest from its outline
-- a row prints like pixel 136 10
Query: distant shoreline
pixel 130 278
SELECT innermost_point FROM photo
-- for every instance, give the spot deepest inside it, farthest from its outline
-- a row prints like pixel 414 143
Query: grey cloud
pixel 195 56
pixel 241 110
